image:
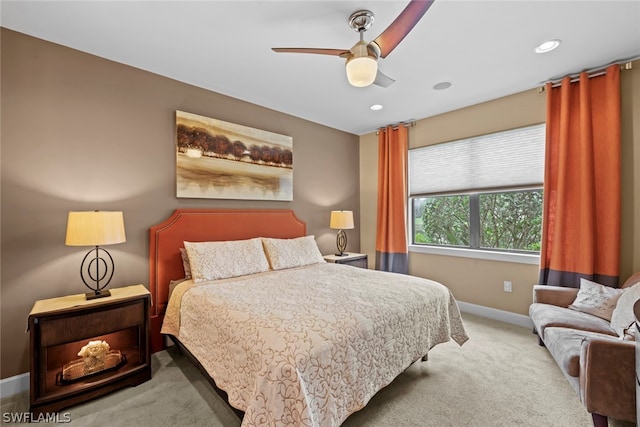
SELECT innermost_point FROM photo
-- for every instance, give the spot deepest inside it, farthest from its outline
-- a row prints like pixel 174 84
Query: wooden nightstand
pixel 357 260
pixel 60 327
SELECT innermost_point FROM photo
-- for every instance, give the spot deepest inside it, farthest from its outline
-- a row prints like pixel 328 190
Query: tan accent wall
pixel 479 281
pixel 83 133
pixel 368 195
pixel 630 245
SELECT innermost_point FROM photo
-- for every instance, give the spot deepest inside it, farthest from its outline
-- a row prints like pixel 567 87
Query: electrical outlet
pixel 507 286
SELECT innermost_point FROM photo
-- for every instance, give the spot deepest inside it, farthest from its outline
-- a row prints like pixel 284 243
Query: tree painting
pixel 216 159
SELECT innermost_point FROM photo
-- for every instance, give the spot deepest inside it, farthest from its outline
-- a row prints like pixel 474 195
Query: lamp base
pixel 342 254
pixel 341 243
pixel 97 294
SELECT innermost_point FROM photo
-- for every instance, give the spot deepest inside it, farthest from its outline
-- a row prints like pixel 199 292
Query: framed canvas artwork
pixel 222 160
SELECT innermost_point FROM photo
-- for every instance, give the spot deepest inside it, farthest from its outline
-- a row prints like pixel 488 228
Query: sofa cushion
pixel 596 299
pixel 547 315
pixel 565 345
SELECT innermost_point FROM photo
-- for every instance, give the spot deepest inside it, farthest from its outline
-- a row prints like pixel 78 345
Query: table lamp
pixel 341 220
pixel 95 228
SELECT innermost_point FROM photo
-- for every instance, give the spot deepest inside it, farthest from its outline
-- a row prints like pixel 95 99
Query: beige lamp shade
pixel 95 228
pixel 341 220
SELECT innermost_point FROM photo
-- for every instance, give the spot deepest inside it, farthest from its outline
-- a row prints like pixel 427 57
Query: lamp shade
pixel 95 228
pixel 361 71
pixel 341 220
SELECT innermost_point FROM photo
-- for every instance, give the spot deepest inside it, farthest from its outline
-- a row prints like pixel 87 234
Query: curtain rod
pixel 627 64
pixel 411 123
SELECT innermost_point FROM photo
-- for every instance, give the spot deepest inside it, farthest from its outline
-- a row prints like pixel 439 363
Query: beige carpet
pixel 500 377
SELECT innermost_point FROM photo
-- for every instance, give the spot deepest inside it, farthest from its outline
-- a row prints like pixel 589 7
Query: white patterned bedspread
pixel 309 346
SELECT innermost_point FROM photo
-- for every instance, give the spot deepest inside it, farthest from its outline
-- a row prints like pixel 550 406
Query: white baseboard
pixel 14 385
pixel 20 383
pixel 495 314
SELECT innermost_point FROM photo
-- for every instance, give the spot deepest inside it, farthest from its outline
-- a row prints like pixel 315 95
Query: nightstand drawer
pixel 350 258
pixel 92 322
pixel 358 262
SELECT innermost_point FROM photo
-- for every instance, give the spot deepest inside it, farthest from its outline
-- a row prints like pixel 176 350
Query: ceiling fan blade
pixel 334 52
pixel 401 26
pixel 383 80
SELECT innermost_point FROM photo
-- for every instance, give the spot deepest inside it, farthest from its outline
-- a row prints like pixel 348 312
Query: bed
pixel 292 340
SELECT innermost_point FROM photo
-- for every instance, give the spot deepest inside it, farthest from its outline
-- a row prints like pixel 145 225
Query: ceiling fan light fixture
pixel 361 71
pixel 361 65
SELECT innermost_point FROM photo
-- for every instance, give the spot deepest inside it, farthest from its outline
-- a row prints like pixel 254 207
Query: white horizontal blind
pixel 513 158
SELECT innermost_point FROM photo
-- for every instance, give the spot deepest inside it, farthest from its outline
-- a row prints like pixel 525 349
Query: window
pixel 481 193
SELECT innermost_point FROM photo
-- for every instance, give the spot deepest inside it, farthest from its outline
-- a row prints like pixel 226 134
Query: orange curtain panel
pixel 391 233
pixel 581 225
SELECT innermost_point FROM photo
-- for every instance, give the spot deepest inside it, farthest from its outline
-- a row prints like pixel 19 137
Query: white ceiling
pixel 484 48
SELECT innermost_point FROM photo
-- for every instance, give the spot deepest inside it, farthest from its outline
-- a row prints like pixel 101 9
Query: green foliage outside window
pixel 504 221
pixel 442 220
pixel 511 220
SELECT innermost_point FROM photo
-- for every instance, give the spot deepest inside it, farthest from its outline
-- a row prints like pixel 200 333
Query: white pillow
pixel 623 317
pixel 289 253
pixel 221 260
pixel 596 299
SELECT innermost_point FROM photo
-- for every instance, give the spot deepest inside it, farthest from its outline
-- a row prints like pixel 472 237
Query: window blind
pixel 507 159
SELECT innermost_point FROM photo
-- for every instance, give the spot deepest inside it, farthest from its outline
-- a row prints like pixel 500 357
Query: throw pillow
pixel 596 299
pixel 623 318
pixel 630 333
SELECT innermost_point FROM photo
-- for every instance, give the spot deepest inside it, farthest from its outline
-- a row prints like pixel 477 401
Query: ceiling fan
pixel 362 58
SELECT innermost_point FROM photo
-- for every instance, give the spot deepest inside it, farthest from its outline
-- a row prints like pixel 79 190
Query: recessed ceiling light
pixel 547 46
pixel 442 86
pixel 376 107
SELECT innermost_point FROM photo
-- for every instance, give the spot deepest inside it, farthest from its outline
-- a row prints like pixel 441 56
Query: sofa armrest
pixel 607 377
pixel 554 295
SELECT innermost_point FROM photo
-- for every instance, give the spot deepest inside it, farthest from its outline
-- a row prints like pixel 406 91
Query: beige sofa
pixel 597 358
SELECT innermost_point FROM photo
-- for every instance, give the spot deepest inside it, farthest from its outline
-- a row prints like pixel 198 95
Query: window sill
pixel 477 254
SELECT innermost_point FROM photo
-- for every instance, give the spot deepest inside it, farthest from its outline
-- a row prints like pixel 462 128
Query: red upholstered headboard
pixel 201 225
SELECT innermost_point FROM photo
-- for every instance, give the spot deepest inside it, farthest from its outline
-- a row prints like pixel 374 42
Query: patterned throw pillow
pixel 221 260
pixel 289 253
pixel 623 318
pixel 596 299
